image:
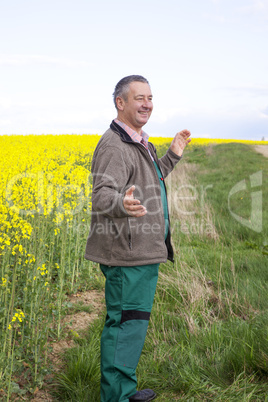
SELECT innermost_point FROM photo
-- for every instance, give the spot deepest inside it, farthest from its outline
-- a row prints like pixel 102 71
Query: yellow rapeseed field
pixel 208 141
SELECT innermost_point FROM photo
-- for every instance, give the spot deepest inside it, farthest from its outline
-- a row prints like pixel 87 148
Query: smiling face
pixel 136 110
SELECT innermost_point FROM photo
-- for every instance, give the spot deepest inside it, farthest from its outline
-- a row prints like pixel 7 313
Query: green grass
pixel 81 379
pixel 224 167
pixel 78 307
pixel 207 338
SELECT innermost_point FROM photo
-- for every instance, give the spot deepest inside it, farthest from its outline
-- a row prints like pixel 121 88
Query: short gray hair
pixel 122 87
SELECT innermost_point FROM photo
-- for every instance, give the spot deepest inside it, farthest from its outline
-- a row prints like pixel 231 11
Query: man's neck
pixel 137 129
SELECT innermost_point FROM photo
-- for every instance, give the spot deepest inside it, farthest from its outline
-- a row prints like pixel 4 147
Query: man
pixel 129 234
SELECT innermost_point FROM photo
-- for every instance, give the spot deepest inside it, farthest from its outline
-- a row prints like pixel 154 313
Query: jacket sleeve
pixel 167 162
pixel 110 178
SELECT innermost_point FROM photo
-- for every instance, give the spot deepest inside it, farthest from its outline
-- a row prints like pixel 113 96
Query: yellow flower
pixel 18 316
pixel 4 282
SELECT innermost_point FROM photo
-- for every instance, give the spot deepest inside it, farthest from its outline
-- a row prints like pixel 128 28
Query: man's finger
pixel 184 133
pixel 131 201
pixel 132 207
pixel 138 213
pixel 130 191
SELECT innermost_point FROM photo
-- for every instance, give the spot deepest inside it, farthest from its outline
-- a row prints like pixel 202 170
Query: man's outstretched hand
pixel 180 141
pixel 132 205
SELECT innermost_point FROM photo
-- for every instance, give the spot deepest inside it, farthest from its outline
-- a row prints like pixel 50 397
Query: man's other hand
pixel 132 205
pixel 180 141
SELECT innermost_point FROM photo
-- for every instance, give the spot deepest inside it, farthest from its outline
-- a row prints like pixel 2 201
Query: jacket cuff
pixel 173 155
pixel 120 211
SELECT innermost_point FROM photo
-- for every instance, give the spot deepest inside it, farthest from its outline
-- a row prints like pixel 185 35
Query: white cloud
pixel 20 60
pixel 5 123
pixel 161 115
pixel 5 103
pixel 255 90
pixel 264 112
pixel 215 18
pixel 255 7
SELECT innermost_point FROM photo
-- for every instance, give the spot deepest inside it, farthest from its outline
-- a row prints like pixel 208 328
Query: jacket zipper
pixel 129 235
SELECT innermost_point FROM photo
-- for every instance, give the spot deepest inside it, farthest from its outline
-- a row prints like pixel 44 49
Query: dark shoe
pixel 144 395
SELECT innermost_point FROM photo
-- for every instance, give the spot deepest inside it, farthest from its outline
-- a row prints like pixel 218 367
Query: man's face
pixel 135 112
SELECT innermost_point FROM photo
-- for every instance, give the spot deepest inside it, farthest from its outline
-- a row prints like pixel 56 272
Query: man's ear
pixel 120 103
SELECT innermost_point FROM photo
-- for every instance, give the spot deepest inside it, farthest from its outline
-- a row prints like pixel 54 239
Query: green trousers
pixel 129 294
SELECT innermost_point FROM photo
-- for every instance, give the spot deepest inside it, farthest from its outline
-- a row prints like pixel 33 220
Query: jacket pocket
pixel 122 237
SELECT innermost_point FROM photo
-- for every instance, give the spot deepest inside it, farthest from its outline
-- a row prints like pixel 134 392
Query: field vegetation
pixel 207 338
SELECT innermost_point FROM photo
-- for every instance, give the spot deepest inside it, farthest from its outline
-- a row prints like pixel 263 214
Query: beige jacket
pixel 116 238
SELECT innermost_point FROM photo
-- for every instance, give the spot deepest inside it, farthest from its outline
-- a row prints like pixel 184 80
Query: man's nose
pixel 148 104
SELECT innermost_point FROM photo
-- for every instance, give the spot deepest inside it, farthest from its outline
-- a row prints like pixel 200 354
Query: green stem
pixel 11 370
pixel 36 352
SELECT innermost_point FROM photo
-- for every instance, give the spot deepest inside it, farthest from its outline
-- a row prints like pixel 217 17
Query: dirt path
pixel 262 149
pixel 74 322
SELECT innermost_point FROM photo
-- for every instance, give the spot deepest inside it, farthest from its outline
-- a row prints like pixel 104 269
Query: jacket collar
pixel 122 133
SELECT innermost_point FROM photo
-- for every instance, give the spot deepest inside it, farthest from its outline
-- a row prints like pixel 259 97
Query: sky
pixel 206 61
